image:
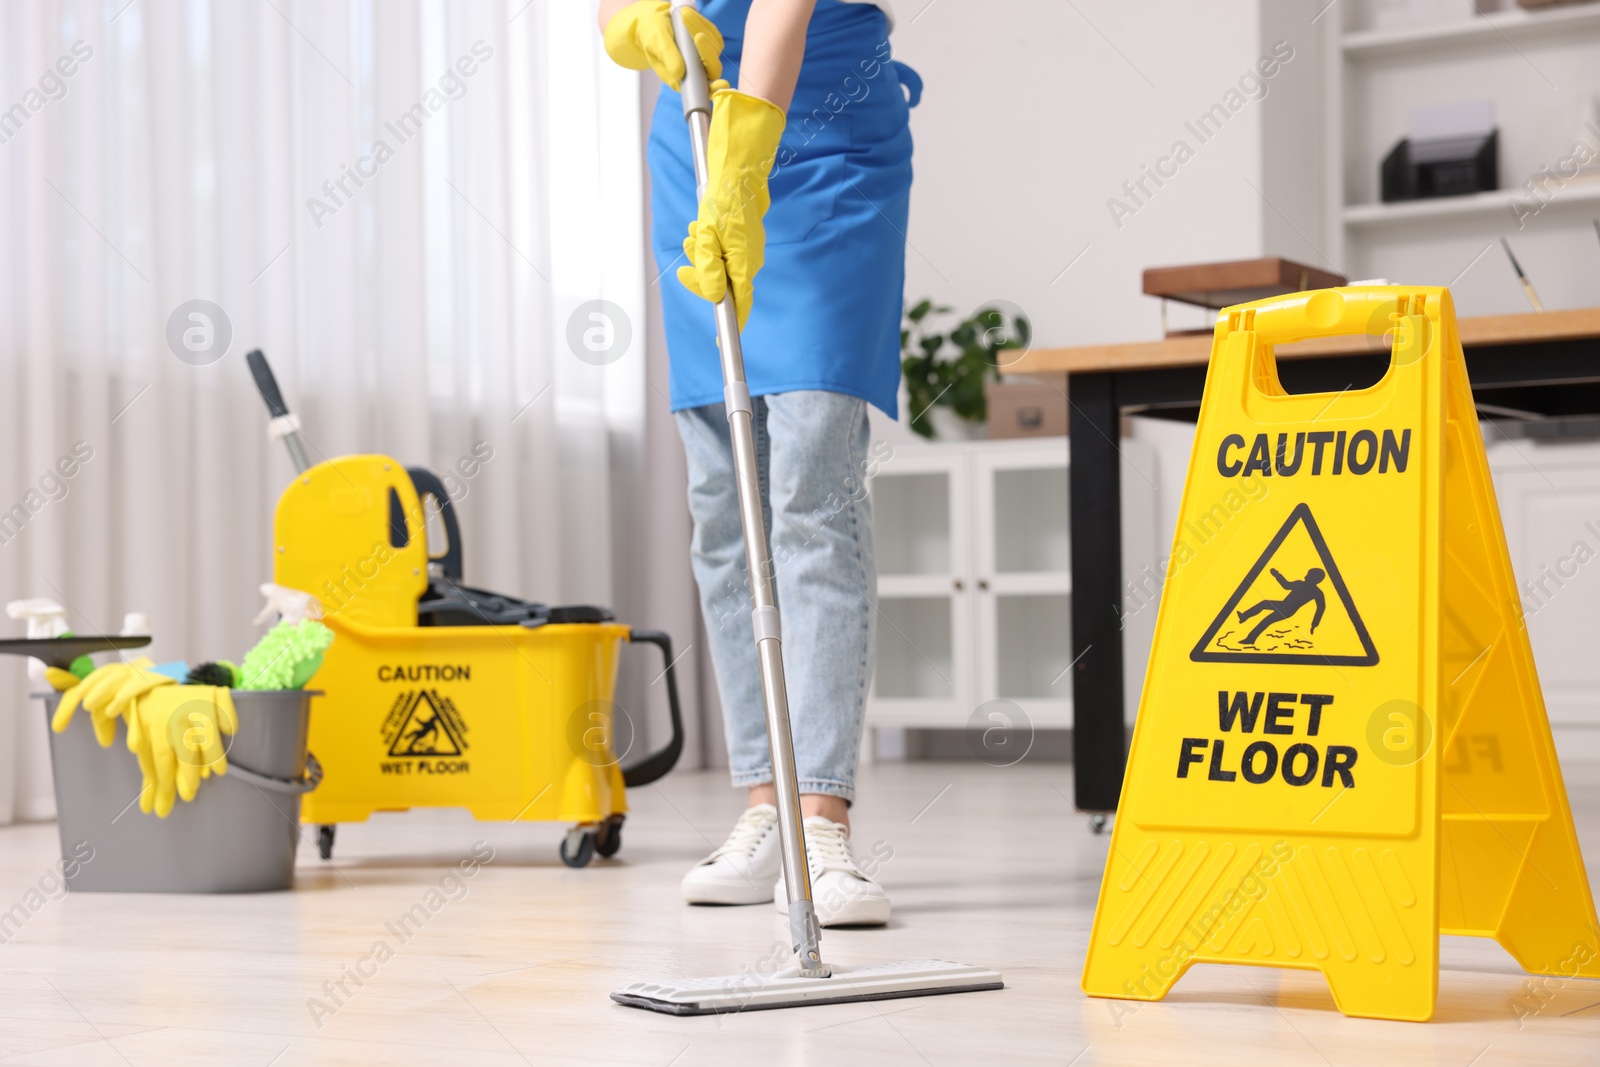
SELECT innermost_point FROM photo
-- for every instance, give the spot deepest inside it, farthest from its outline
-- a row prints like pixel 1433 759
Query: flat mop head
pixel 786 989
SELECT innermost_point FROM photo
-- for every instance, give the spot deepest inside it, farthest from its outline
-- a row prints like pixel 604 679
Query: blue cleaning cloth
pixel 177 670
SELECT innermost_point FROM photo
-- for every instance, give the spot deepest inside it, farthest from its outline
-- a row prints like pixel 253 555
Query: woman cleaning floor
pixel 814 125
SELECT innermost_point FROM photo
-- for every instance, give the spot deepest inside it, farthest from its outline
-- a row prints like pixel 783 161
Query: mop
pixel 806 979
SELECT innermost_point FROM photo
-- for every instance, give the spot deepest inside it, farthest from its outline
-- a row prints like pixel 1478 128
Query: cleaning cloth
pixel 286 657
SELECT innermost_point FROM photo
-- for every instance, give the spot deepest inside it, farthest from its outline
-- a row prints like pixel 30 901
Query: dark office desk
pixel 1524 366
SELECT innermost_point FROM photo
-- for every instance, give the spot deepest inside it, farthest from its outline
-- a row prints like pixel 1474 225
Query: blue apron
pixel 828 300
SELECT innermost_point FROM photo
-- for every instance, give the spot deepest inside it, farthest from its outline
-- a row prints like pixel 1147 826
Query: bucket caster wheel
pixel 325 841
pixel 1097 823
pixel 577 848
pixel 608 836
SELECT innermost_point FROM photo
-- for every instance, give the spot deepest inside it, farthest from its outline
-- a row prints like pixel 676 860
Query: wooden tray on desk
pixel 1483 330
pixel 1220 285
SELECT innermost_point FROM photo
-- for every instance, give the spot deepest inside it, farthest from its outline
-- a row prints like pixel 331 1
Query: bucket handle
pixel 294 786
pixel 428 484
pixel 657 764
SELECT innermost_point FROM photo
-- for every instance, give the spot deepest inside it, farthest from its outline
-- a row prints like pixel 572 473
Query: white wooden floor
pixel 989 866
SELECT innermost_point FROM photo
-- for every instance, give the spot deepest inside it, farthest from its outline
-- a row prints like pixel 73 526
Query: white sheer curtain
pixel 402 202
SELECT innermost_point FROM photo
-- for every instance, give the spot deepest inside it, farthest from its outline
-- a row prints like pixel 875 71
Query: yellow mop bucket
pixel 441 695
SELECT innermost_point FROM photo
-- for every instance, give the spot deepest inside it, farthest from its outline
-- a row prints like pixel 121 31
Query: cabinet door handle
pixel 983 585
pixel 959 584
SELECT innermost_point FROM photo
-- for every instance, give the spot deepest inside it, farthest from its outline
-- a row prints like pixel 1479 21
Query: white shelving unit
pixel 974 583
pixel 1539 68
pixel 1578 191
pixel 1509 26
pixel 974 580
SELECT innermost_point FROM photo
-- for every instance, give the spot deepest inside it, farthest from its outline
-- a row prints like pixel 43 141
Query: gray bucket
pixel 238 835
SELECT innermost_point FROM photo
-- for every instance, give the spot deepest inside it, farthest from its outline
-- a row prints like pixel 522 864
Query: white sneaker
pixel 841 891
pixel 742 869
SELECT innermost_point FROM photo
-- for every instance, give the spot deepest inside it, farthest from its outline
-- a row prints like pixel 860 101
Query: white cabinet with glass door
pixel 1021 578
pixel 974 582
pixel 923 541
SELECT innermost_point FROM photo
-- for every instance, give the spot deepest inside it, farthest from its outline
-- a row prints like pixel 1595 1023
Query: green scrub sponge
pixel 83 666
pixel 286 657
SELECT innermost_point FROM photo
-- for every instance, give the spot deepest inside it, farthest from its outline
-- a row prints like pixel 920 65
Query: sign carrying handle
pixel 1411 317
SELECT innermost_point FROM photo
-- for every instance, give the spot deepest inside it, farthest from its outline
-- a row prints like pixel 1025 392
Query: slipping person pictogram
pixel 422 738
pixel 429 725
pixel 1257 625
pixel 1300 593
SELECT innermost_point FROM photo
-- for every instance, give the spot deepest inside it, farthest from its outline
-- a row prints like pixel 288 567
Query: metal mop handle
pixel 803 929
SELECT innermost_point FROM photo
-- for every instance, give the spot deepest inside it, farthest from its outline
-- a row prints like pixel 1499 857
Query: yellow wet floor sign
pixel 1341 751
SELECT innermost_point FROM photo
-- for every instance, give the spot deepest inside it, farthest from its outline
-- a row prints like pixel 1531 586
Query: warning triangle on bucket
pixel 1292 607
pixel 427 729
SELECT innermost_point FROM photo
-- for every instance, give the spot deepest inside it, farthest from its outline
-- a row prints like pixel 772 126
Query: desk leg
pixel 1099 744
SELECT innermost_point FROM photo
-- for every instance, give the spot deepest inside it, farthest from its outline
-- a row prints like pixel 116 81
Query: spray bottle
pixel 290 605
pixel 135 624
pixel 45 618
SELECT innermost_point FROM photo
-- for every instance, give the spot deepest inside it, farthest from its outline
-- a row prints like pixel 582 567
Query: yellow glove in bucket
pixel 108 693
pixel 728 242
pixel 176 732
pixel 639 37
pixel 61 680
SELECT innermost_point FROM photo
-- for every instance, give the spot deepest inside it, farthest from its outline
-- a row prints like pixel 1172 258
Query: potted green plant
pixel 947 370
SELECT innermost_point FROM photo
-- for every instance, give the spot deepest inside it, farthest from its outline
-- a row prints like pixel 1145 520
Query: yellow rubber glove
pixel 141 680
pixel 108 693
pixel 178 742
pixel 94 691
pixel 139 745
pixel 728 241
pixel 227 720
pixel 72 689
pixel 61 680
pixel 639 37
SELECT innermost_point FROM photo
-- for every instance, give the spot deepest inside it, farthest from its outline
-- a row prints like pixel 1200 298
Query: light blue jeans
pixel 812 452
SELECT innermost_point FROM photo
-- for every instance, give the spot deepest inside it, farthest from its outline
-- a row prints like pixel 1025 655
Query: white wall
pixel 1034 114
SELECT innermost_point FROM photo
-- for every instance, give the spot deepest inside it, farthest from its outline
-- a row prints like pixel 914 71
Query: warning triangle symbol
pixel 1292 607
pixel 425 732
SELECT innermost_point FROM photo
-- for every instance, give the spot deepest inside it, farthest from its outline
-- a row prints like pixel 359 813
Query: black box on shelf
pixel 1446 166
